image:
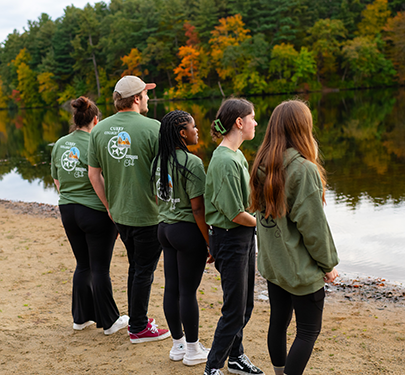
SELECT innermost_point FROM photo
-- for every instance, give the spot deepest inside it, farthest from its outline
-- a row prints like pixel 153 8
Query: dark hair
pixel 170 140
pixel 290 125
pixel 84 111
pixel 124 103
pixel 227 114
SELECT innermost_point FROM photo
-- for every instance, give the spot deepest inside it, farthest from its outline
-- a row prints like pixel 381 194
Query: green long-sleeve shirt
pixel 295 251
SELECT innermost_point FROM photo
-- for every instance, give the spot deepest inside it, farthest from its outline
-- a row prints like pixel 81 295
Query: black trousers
pixel 234 253
pixel 308 313
pixel 92 236
pixel 143 250
pixel 185 256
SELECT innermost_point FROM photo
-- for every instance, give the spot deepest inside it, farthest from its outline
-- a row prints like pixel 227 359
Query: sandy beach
pixel 363 328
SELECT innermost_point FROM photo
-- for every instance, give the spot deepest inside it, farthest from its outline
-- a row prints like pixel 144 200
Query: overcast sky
pixel 14 14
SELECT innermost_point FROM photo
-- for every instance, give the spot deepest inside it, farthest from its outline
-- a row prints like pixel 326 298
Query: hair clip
pixel 219 127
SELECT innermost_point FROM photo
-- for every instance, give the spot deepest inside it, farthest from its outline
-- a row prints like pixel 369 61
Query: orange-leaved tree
pixel 133 62
pixel 230 32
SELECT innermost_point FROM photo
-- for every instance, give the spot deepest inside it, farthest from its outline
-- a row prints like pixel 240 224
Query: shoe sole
pixel 147 339
pixel 177 357
pixel 115 330
pixel 81 327
pixel 240 372
pixel 193 362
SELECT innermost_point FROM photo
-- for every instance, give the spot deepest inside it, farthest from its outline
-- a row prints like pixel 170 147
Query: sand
pixel 363 327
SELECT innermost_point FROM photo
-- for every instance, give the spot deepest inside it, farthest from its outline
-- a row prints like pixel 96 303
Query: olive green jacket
pixel 296 251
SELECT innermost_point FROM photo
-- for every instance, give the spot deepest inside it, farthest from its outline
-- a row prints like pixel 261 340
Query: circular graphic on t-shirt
pixel 117 152
pixel 70 158
pixel 170 182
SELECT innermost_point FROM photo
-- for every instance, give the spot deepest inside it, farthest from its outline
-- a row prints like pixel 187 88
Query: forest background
pixel 204 48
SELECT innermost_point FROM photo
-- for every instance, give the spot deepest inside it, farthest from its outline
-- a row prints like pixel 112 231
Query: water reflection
pixel 362 140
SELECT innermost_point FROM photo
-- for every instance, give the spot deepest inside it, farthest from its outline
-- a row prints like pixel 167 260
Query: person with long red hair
pixel 296 252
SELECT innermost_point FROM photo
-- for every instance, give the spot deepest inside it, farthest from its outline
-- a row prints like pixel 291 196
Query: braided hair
pixel 170 140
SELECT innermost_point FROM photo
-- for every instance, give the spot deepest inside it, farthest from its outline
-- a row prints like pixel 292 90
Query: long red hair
pixel 290 125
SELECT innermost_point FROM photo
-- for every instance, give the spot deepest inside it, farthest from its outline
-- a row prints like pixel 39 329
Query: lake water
pixel 362 141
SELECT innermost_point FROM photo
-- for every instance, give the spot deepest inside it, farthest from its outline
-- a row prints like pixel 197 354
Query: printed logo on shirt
pixel 269 223
pixel 70 158
pixel 119 145
pixel 170 199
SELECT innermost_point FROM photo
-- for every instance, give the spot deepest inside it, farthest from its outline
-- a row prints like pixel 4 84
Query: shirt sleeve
pixel 229 198
pixel 195 183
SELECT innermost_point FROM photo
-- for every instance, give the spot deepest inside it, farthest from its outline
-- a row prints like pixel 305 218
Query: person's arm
pixel 97 180
pixel 197 205
pixel 57 183
pixel 245 219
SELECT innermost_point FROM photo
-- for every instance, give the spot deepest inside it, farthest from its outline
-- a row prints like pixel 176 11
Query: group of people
pixel 132 175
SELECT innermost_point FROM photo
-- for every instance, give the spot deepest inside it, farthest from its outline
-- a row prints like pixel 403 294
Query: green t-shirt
pixel 123 146
pixel 69 167
pixel 183 188
pixel 227 187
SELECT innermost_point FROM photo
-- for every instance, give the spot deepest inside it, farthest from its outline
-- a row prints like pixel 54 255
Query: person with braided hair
pixel 178 180
pixel 90 231
pixel 232 237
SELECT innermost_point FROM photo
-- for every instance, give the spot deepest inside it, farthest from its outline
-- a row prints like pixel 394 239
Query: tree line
pixel 204 48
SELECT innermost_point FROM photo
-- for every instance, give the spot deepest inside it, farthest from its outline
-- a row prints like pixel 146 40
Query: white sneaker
pixel 196 353
pixel 178 349
pixel 79 327
pixel 121 322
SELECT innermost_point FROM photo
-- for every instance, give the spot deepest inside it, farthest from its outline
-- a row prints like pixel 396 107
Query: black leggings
pixel 185 256
pixel 308 313
pixel 92 236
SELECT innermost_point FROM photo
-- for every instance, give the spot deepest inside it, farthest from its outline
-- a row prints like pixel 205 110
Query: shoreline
pixel 360 335
pixel 359 288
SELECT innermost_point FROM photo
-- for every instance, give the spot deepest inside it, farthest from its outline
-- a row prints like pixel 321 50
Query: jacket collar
pixel 290 155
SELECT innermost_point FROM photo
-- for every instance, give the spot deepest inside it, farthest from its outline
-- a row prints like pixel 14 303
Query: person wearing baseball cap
pixel 121 151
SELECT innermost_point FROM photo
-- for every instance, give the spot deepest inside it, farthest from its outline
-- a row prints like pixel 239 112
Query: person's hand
pixel 210 258
pixel 331 276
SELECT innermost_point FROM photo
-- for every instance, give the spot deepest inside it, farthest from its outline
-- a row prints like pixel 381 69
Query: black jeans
pixel 234 253
pixel 308 313
pixel 143 250
pixel 92 236
pixel 185 256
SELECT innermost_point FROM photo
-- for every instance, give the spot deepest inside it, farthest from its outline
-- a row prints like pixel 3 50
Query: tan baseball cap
pixel 132 85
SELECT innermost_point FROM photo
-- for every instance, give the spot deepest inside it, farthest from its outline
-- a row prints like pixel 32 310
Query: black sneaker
pixel 212 371
pixel 242 365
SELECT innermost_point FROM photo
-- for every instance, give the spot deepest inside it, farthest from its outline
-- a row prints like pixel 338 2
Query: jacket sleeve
pixel 309 216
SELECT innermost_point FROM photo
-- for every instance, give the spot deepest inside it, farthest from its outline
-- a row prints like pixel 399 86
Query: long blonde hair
pixel 290 125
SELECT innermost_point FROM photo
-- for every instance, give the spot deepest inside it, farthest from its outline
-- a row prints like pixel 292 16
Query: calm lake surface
pixel 361 136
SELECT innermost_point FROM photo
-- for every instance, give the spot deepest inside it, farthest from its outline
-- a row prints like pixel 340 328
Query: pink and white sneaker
pixel 150 333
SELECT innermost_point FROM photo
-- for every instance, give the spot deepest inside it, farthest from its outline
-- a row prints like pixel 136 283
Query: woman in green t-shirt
pixel 178 179
pixel 232 241
pixel 89 229
pixel 296 250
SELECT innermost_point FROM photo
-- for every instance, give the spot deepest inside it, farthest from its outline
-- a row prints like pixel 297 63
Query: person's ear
pixel 95 120
pixel 183 133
